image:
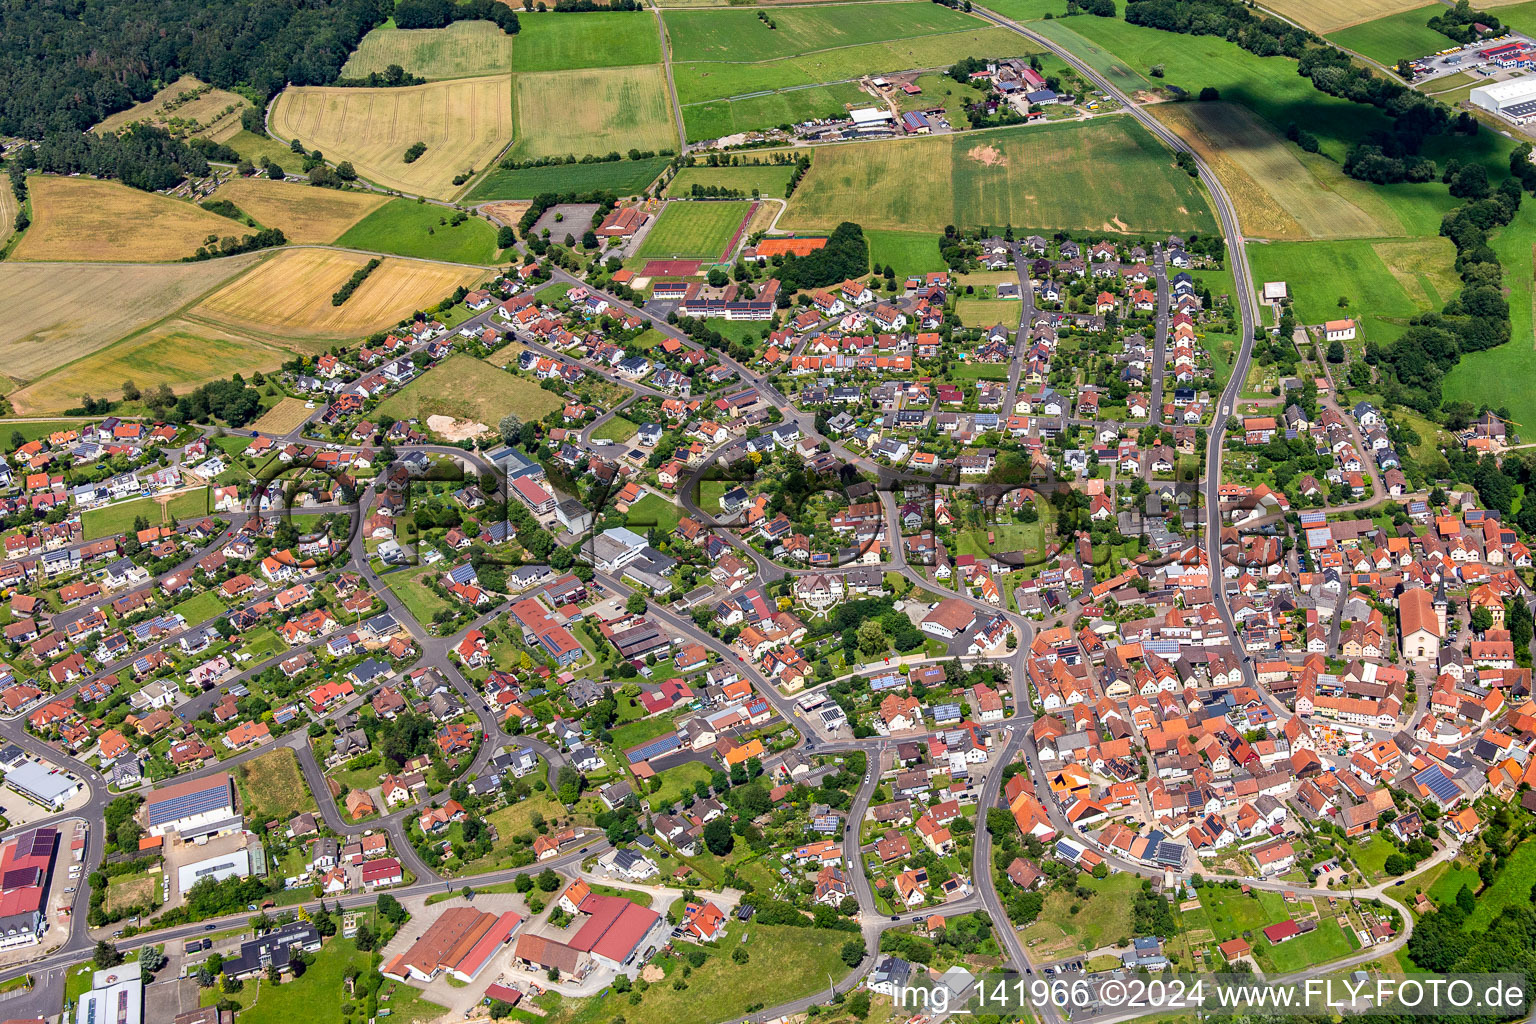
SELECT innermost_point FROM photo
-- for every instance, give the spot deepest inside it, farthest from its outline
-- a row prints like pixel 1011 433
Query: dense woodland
pixel 69 63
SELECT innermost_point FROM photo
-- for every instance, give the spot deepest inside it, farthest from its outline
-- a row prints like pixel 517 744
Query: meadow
pixel 175 109
pixel 1501 376
pixel 624 177
pixel 596 110
pixel 177 353
pixel 986 312
pixel 56 314
pixel 1320 273
pixel 290 294
pixel 601 40
pixel 1389 39
pixel 82 219
pixel 303 213
pixel 406 227
pixel 731 34
pixel 467 388
pixel 768 179
pixel 719 118
pixel 257 148
pixel 694 229
pixel 464 123
pixel 464 49
pixel 910 252
pixel 271 786
pixel 1276 193
pixel 1039 176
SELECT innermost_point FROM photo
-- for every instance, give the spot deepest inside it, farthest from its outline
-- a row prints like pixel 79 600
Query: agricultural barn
pixel 1514 99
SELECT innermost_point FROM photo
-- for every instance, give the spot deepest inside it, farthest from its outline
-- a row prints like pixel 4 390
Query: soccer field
pixel 702 230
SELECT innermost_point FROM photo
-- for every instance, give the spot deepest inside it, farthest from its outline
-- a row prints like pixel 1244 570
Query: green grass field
pixel 1394 37
pixel 625 177
pixel 255 148
pixel 1104 920
pixel 198 610
pixel 769 179
pixel 320 995
pixel 271 786
pixel 411 588
pixel 986 312
pixel 653 511
pixel 1327 942
pixel 1520 17
pixel 118 518
pixel 1038 177
pixel 616 429
pixel 677 783
pixel 719 118
pixel 910 252
pixel 467 388
pixel 1028 10
pixel 405 227
pixel 464 49
pixel 1500 376
pixel 688 229
pixel 738 34
pixel 1511 887
pixel 597 40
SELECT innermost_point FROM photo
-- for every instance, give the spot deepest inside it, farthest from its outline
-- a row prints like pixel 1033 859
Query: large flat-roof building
pixel 26 865
pixel 1514 99
pixel 197 807
pixel 234 864
pixel 51 789
pixel 116 997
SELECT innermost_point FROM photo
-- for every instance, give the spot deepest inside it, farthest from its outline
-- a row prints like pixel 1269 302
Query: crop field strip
pixel 592 111
pixel 303 213
pixel 1389 39
pixel 1039 176
pixel 1325 16
pixel 464 49
pixel 83 219
pixel 465 123
pixel 596 40
pixel 289 294
pixel 50 321
pixel 769 179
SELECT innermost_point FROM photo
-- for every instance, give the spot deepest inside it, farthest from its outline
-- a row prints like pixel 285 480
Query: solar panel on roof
pixel 1434 780
pixel 646 751
pixel 187 804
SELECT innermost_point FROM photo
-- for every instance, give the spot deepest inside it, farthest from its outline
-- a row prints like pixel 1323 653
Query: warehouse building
pixel 116 997
pixel 236 863
pixel 26 865
pixel 47 788
pixel 461 941
pixel 1514 100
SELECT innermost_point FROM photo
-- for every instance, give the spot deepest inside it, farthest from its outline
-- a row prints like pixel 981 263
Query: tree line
pixel 442 13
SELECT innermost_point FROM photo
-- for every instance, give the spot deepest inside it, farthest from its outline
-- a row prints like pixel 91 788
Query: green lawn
pixel 653 511
pixel 768 179
pixel 321 996
pixel 783 963
pixel 263 643
pixel 1006 537
pixel 1389 39
pixel 1327 942
pixel 1511 887
pixel 624 177
pixel 688 229
pixel 405 227
pixel 910 252
pixel 616 428
pixel 271 786
pixel 678 782
pixel 188 505
pixel 639 731
pixel 1227 913
pixel 198 610
pixel 980 371
pixel 986 312
pixel 1103 920
pixel 605 39
pixel 118 518
pixel 1319 273
pixel 257 148
pixel 467 388
pixel 411 588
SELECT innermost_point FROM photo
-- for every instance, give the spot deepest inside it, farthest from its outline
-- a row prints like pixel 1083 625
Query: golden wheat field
pixel 1323 16
pixel 304 213
pixel 177 353
pixel 85 219
pixel 187 106
pixel 59 313
pixel 464 124
pixel 595 110
pixel 1276 194
pixel 290 294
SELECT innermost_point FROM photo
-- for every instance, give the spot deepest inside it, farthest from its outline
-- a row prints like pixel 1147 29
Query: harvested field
pixel 464 123
pixel 507 211
pixel 47 324
pixel 593 111
pixel 181 110
pixel 304 213
pixel 464 49
pixel 283 417
pixel 290 294
pixel 82 219
pixel 1276 194
pixel 180 354
pixel 698 229
pixel 1039 176
pixel 1324 16
pixel 466 390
